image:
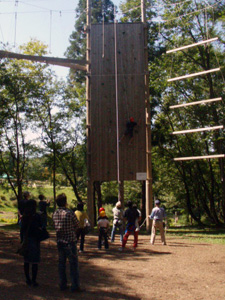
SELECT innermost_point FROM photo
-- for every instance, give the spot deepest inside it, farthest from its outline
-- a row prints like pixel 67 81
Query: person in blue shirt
pixel 158 215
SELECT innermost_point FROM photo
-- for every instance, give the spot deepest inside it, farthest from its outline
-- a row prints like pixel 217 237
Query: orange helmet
pixel 102 214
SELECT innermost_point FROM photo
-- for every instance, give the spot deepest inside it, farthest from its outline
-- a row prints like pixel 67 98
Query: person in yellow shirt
pixel 82 217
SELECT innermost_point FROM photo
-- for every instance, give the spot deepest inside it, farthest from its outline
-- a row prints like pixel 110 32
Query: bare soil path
pixel 182 270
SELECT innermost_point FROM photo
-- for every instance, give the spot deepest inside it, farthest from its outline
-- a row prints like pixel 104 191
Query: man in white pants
pixel 158 215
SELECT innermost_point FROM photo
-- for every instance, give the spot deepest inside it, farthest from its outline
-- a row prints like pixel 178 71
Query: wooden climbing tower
pixel 117 89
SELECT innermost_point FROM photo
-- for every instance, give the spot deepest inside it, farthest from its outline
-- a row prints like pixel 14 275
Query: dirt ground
pixel 182 270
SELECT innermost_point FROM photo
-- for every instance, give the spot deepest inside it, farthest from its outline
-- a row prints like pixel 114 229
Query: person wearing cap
pixel 103 226
pixel 117 221
pixel 157 215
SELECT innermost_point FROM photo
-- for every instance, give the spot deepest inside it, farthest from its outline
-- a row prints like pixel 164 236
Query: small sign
pixel 141 176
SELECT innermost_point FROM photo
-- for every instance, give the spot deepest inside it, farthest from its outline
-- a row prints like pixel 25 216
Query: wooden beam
pixel 192 45
pixel 193 75
pixel 199 157
pixel 196 103
pixel 63 62
pixel 143 11
pixel 198 129
pixel 90 188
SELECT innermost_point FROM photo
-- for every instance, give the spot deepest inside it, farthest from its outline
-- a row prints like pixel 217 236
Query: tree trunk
pixel 97 186
pixel 143 202
pixel 54 177
pixel 94 205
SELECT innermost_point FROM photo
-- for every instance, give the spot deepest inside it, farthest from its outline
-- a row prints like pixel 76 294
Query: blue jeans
pixel 120 227
pixel 68 250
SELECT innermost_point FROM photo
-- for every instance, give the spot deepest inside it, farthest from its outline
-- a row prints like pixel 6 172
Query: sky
pixel 50 21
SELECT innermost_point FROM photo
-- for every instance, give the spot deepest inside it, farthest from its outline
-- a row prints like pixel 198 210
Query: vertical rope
pixel 103 34
pixel 117 108
pixel 50 33
pixel 15 29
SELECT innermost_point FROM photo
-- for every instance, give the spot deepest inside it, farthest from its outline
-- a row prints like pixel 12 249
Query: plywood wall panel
pixel 131 101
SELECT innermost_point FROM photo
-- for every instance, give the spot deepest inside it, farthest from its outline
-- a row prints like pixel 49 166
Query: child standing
pixel 103 226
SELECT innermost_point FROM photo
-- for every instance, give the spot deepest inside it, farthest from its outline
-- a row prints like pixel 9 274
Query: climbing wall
pixel 131 101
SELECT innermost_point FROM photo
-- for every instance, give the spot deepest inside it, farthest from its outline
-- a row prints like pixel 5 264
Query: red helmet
pixel 101 209
pixel 131 119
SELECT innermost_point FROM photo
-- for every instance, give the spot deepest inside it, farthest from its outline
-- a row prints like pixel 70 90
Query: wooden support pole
pixel 192 45
pixel 149 197
pixel 193 75
pixel 63 62
pixel 121 193
pixel 143 12
pixel 198 129
pixel 196 103
pixel 90 198
pixel 199 157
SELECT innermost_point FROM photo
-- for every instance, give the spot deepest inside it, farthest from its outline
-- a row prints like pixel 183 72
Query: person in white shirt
pixel 117 221
pixel 158 215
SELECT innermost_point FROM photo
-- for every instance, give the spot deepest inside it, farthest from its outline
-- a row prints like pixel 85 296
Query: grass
pixel 202 235
pixel 8 202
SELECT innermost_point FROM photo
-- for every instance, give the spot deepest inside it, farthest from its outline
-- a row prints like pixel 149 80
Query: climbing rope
pixel 117 108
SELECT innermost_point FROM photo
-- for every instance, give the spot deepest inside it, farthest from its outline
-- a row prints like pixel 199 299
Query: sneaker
pixel 121 249
pixel 28 282
pixel 81 251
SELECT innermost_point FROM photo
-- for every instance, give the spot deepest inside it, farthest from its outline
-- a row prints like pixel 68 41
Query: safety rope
pixel 143 222
pixel 117 108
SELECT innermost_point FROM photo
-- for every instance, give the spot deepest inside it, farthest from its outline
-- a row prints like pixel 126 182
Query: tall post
pixel 149 196
pixel 90 203
pixel 121 193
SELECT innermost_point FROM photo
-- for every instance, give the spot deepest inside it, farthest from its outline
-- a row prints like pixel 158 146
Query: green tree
pixel 203 188
pixel 20 82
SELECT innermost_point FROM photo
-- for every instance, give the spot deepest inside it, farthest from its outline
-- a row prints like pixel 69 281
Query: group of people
pixel 132 217
pixel 70 227
pixel 67 229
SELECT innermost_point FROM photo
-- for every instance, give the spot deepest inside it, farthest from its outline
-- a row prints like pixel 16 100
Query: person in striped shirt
pixel 66 225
